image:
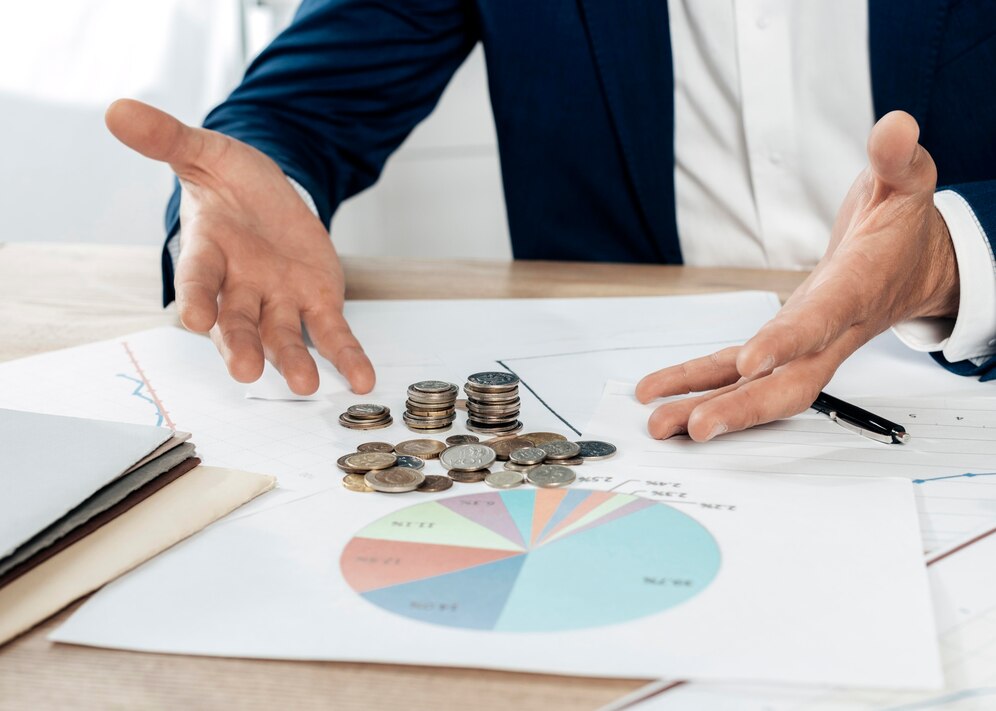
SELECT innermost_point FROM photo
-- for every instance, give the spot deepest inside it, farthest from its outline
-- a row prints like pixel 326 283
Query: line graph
pixel 966 475
pixel 142 383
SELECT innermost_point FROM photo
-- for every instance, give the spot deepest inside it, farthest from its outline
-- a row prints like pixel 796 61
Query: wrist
pixel 944 291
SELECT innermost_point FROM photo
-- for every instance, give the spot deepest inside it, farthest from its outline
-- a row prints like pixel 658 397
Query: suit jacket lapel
pixel 903 40
pixel 631 44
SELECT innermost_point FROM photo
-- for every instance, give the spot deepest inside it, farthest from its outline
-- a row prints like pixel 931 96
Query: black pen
pixel 864 423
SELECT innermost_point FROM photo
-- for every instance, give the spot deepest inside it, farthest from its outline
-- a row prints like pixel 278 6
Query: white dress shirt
pixel 773 107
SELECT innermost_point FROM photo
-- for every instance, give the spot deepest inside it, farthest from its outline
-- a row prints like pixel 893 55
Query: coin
pixel 342 464
pixel 356 482
pixel 493 380
pixel 469 477
pixel 513 467
pixel 544 437
pixel 433 386
pixel 435 482
pixel 454 440
pixel 394 480
pixel 504 479
pixel 368 461
pixel 527 455
pixel 504 447
pixel 550 476
pixel 358 424
pixel 560 449
pixel 484 428
pixel 424 448
pixel 467 457
pixel 406 460
pixel 572 462
pixel 375 447
pixel 595 450
pixel 367 411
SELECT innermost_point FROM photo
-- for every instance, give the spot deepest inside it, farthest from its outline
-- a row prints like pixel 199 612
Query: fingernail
pixel 766 365
pixel 717 429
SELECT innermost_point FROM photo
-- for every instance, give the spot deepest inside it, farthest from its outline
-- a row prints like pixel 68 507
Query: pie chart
pixel 538 560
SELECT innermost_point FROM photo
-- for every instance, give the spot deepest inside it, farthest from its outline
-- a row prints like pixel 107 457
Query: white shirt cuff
pixel 173 243
pixel 973 334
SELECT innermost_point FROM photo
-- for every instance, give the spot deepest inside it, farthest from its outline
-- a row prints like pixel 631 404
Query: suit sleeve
pixel 980 199
pixel 339 90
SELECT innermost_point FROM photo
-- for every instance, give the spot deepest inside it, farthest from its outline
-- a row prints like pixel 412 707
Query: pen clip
pixel 857 429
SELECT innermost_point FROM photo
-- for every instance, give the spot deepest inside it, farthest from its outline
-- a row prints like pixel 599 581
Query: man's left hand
pixel 890 258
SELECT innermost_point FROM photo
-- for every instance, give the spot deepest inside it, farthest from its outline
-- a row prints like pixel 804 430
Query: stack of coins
pixel 366 417
pixel 493 403
pixel 430 406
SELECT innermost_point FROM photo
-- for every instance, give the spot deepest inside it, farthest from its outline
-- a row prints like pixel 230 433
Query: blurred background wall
pixel 63 178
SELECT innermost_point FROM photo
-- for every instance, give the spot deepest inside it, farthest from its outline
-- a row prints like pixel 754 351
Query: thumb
pixel 154 133
pixel 897 161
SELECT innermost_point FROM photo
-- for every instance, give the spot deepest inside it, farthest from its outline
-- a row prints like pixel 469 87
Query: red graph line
pixel 152 391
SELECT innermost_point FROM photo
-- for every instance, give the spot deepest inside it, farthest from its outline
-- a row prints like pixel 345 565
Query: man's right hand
pixel 255 262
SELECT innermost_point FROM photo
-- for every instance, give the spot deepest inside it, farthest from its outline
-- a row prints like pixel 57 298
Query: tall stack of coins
pixel 431 406
pixel 493 403
pixel 366 417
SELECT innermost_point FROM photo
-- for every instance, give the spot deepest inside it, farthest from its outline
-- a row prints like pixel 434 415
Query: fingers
pixel 896 159
pixel 154 133
pixel 237 333
pixel 788 391
pixel 712 371
pixel 672 419
pixel 283 344
pixel 337 344
pixel 199 276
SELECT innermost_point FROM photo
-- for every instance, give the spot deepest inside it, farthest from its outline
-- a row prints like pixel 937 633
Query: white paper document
pixel 771 576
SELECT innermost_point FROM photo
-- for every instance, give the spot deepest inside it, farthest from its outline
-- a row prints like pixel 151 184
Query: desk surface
pixel 56 296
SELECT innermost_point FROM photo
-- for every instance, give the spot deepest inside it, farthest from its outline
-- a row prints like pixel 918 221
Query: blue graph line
pixel 941 701
pixel 967 475
pixel 137 392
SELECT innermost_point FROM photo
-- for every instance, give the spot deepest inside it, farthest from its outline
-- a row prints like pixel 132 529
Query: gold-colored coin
pixel 504 447
pixel 375 447
pixel 544 437
pixel 342 464
pixel 435 482
pixel 370 461
pixel 469 477
pixel 356 482
pixel 422 448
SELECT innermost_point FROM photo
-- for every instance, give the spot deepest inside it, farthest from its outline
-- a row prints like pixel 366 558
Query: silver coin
pixel 528 455
pixel 394 480
pixel 595 450
pixel 469 477
pixel 491 380
pixel 513 467
pixel 504 479
pixel 490 429
pixel 572 462
pixel 433 386
pixel 406 460
pixel 367 461
pixel 454 440
pixel 550 476
pixel 560 449
pixel 367 411
pixel 467 457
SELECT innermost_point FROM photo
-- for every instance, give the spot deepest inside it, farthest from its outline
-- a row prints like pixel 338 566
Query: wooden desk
pixel 55 296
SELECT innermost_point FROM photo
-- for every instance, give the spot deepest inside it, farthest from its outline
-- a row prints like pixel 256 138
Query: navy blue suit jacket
pixel 583 100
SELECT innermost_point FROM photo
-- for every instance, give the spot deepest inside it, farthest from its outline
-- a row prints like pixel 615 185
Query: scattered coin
pixel 369 461
pixel 572 462
pixel 595 450
pixel 366 416
pixel 527 455
pixel 469 477
pixel 454 440
pixel 406 460
pixel 467 457
pixel 504 479
pixel 435 482
pixel 543 437
pixel 423 448
pixel 356 482
pixel 550 476
pixel 375 447
pixel 560 449
pixel 504 447
pixel 394 480
pixel 342 464
pixel 513 467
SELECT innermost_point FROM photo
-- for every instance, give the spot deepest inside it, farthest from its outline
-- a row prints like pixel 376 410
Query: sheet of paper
pixel 965 608
pixel 802 579
pixel 49 464
pixel 951 457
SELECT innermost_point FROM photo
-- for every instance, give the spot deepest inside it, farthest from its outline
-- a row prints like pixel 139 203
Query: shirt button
pixel 762 22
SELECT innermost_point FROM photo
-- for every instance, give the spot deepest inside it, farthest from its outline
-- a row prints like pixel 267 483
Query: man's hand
pixel 255 262
pixel 890 259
